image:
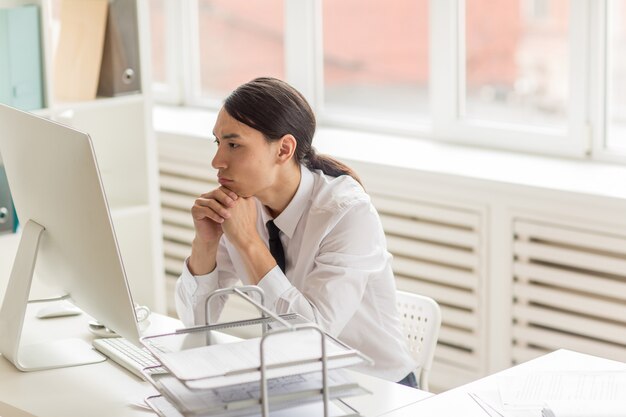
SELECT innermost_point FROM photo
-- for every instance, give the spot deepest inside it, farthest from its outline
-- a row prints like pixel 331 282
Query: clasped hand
pixel 222 211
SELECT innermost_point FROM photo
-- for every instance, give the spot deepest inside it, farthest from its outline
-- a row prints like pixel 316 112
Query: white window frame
pixel 170 91
pixel 585 131
pixel 601 106
pixel 303 49
pixel 192 82
pixel 448 72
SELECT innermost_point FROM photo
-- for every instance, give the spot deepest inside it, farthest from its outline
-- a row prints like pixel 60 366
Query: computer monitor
pixel 67 230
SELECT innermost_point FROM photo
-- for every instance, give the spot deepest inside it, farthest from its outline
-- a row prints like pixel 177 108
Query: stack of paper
pixel 286 354
pixel 224 379
pixel 586 408
pixel 241 399
pixel 557 394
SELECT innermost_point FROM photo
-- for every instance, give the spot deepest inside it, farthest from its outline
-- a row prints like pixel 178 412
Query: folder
pixel 8 217
pixel 21 80
pixel 120 71
pixel 79 53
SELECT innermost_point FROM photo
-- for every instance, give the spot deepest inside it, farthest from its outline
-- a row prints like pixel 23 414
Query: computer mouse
pixel 58 309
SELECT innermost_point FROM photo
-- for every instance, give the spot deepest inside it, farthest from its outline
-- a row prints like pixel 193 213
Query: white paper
pixel 539 388
pixel 233 358
pixel 491 404
pixel 298 388
pixel 242 378
pixel 588 408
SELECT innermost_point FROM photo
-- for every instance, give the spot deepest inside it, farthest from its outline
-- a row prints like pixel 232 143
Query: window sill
pixel 581 177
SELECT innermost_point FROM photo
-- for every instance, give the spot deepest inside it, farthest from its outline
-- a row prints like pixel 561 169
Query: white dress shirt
pixel 338 272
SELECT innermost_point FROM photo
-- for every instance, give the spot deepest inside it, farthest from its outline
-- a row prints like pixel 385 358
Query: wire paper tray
pixel 294 362
pixel 244 399
pixel 163 408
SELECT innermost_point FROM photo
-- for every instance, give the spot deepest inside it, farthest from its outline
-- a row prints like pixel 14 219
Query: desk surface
pixel 106 389
pixel 457 402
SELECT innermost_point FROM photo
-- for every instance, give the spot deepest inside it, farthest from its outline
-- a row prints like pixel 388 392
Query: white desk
pixel 457 402
pixel 106 389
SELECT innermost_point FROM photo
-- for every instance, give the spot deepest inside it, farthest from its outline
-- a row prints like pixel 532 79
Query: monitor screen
pixel 55 183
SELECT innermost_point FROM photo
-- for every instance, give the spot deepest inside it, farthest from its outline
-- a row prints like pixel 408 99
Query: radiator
pixel 569 291
pixel 185 172
pixel 437 253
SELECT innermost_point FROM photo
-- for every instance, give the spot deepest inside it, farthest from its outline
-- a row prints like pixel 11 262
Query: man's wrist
pixel 203 257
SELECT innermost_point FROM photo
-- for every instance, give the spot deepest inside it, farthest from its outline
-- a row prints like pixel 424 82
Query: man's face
pixel 245 160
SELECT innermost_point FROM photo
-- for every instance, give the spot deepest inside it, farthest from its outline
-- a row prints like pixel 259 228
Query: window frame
pixel 455 128
pixel 170 91
pixel 601 106
pixel 585 132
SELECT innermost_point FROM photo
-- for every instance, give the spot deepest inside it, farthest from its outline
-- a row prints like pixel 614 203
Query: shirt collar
pixel 289 218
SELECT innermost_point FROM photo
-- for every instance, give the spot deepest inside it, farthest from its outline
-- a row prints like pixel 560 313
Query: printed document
pixel 301 348
pixel 536 389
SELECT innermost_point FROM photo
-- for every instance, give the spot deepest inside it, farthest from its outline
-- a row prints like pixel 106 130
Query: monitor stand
pixel 48 355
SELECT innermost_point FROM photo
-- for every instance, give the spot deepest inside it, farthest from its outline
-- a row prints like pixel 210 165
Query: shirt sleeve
pixel 353 252
pixel 192 291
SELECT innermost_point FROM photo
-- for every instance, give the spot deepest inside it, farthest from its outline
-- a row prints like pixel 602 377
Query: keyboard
pixel 124 353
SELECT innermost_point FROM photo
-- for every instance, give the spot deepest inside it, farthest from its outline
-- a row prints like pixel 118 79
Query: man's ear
pixel 287 148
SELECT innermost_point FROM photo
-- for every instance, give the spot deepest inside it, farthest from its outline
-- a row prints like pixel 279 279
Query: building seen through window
pixel 517 62
pixel 513 68
pixel 376 58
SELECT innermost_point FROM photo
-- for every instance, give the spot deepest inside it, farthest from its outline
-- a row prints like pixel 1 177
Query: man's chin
pixel 241 193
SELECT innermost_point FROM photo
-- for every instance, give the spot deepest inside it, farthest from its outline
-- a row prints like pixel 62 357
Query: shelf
pixel 121 132
pixel 99 102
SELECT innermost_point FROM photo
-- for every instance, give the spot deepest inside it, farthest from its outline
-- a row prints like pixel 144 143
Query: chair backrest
pixel 420 318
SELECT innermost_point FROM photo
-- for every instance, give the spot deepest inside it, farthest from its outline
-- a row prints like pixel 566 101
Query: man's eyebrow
pixel 228 136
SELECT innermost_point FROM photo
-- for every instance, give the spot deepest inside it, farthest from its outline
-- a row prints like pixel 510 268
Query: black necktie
pixel 276 247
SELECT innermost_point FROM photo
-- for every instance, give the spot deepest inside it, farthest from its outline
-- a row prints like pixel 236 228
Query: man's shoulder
pixel 336 193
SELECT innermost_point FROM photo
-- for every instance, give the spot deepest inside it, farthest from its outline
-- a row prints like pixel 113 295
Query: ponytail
pixel 329 165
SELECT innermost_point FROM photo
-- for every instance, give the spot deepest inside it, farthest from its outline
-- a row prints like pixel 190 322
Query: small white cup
pixel 142 313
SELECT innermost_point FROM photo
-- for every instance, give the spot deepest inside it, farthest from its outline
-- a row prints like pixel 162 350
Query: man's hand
pixel 209 211
pixel 240 225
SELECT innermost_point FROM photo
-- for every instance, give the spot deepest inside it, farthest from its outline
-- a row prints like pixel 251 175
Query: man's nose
pixel 218 162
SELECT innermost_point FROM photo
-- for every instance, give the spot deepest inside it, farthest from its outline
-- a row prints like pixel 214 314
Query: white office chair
pixel 420 318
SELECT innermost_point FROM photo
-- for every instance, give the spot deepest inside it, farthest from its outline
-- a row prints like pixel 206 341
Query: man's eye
pixel 216 140
pixel 233 145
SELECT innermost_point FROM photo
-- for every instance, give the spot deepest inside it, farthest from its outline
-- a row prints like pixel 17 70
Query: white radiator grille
pixel 437 252
pixel 569 291
pixel 185 173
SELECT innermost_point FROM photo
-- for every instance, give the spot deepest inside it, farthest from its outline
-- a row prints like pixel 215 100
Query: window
pixel 376 58
pixel 158 30
pixel 238 40
pixel 541 76
pixel 517 64
pixel 616 86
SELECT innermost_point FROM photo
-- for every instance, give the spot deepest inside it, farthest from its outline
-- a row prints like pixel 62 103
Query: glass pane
pixel 158 31
pixel 239 40
pixel 517 61
pixel 616 137
pixel 376 57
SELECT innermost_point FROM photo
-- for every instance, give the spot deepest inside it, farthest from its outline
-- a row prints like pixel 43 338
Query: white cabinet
pixel 121 130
